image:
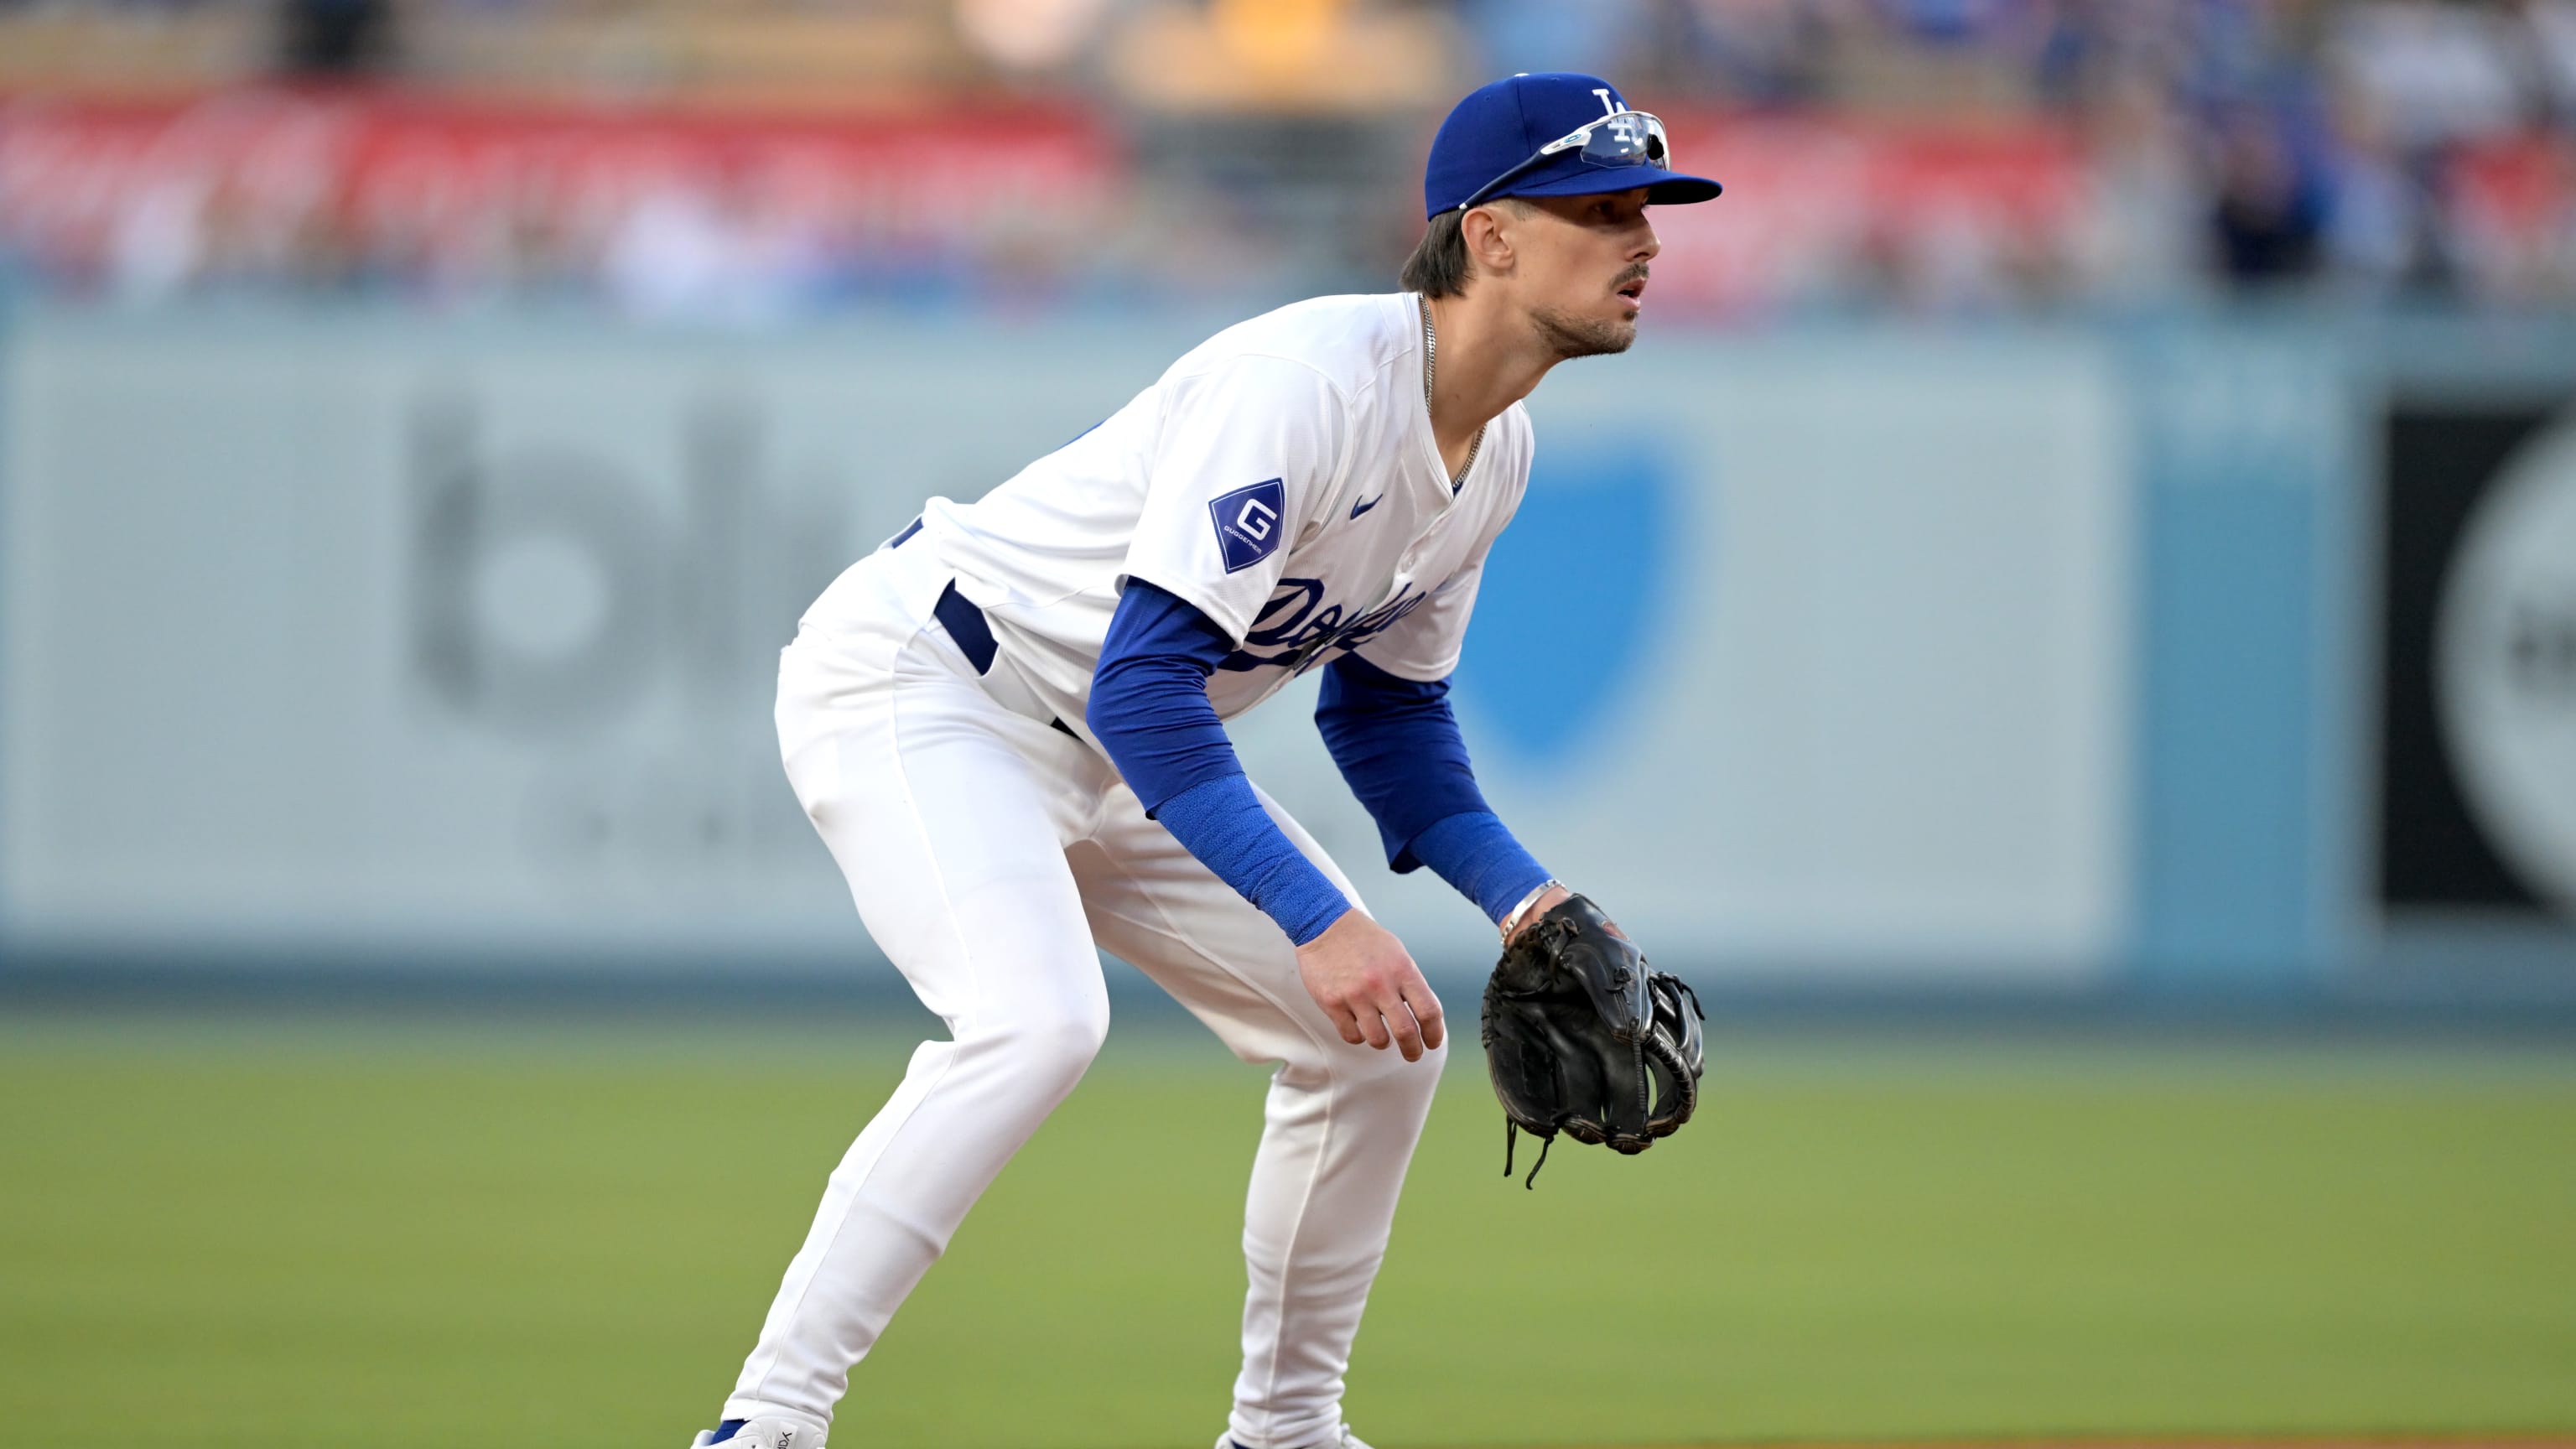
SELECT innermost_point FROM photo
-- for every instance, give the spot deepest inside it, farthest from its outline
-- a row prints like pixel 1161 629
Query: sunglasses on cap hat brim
pixel 1620 139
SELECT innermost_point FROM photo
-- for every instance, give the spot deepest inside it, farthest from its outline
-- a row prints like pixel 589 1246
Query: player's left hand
pixel 1583 1037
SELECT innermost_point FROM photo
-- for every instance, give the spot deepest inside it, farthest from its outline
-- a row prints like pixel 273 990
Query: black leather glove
pixel 1581 1038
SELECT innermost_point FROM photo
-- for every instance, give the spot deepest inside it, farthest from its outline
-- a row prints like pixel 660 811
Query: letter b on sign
pixel 1247 523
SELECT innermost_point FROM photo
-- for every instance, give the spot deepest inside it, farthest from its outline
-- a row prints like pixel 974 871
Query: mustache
pixel 1635 273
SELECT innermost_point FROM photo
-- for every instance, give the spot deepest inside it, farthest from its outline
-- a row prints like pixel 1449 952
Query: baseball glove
pixel 1582 1039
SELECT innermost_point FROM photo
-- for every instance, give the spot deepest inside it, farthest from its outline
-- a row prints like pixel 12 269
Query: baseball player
pixel 1006 723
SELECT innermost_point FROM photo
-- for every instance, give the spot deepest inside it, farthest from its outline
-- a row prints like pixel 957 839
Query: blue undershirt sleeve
pixel 1397 743
pixel 1149 709
pixel 1149 706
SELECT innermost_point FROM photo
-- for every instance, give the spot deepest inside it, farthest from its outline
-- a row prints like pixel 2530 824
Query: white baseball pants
pixel 987 852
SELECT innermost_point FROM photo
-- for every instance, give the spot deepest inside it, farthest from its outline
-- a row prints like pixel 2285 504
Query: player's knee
pixel 1051 1049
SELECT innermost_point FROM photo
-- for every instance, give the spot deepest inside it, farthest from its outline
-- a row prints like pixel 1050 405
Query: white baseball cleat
pixel 1343 1440
pixel 760 1434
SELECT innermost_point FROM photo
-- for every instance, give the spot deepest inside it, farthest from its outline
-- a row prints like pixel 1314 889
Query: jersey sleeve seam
pixel 1189 593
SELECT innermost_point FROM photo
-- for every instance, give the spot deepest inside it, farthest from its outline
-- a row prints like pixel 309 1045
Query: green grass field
pixel 316 1234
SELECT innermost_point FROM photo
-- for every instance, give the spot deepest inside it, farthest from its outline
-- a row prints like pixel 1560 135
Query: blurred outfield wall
pixel 2036 657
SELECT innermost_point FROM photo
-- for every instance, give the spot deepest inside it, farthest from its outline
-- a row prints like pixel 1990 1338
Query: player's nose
pixel 1647 243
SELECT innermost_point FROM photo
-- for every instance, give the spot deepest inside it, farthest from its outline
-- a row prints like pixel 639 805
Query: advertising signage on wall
pixel 2477 765
pixel 455 640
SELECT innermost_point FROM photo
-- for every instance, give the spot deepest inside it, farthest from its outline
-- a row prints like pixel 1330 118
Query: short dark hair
pixel 1439 266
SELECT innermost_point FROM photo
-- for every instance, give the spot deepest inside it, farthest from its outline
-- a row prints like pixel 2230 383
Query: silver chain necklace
pixel 1430 365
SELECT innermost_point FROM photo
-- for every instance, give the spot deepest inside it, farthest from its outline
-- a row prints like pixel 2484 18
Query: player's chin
pixel 1587 334
pixel 1616 332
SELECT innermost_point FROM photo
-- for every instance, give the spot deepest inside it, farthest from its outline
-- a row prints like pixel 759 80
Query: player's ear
pixel 1486 234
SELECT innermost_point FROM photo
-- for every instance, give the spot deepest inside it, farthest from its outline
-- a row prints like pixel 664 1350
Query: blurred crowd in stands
pixel 748 157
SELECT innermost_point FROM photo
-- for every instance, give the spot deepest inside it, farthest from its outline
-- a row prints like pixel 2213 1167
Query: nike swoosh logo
pixel 1359 508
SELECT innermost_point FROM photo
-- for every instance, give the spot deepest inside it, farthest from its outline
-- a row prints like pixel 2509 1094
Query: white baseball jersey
pixel 1282 477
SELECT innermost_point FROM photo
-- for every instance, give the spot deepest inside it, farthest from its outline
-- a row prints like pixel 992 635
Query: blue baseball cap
pixel 1505 125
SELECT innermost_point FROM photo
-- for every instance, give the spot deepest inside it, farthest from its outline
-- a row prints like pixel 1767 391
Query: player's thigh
pixel 950 833
pixel 1155 906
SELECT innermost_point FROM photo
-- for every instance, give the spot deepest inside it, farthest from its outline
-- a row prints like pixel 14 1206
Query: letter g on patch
pixel 1248 522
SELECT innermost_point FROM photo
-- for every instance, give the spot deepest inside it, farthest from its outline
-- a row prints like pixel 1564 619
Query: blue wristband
pixel 1222 823
pixel 1475 852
